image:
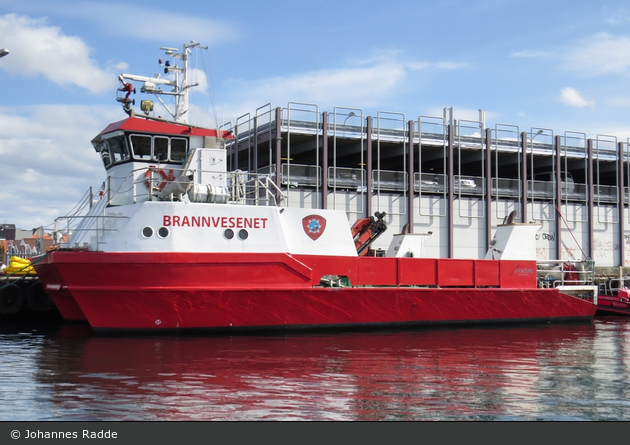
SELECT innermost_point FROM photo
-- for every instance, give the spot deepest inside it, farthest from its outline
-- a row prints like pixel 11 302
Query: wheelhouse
pixel 147 140
pixel 120 147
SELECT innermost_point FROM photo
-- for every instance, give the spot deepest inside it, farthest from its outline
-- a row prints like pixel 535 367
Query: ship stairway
pixel 86 225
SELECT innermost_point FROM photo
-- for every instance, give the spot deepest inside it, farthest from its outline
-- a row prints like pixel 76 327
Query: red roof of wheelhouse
pixel 144 125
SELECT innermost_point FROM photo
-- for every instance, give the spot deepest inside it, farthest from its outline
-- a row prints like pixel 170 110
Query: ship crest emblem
pixel 314 226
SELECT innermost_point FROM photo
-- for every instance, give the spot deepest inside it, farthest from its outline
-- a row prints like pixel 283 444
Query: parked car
pixel 464 183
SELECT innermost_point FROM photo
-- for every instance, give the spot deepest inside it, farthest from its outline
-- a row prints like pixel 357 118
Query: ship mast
pixel 180 85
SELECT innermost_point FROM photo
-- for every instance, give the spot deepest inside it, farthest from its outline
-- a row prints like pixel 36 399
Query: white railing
pixel 556 273
pixel 89 223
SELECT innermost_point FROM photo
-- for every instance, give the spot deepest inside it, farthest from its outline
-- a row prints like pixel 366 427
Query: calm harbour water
pixel 550 372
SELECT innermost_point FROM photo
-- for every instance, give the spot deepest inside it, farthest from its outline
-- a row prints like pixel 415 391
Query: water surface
pixel 548 372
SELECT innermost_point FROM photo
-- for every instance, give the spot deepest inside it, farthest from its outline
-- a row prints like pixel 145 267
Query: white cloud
pixel 200 77
pixel 145 23
pixel 571 97
pixel 327 85
pixel 39 49
pixel 47 160
pixel 530 54
pixel 461 113
pixel 435 65
pixel 619 101
pixel 598 55
pixel 366 85
pixel 617 17
pixel 148 24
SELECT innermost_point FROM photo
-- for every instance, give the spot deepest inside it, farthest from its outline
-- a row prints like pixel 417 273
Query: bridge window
pixel 160 148
pixel 141 146
pixel 103 149
pixel 118 149
pixel 114 150
pixel 156 148
pixel 179 147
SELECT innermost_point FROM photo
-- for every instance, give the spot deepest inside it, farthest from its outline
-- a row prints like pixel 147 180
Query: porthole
pixel 147 232
pixel 242 234
pixel 228 234
pixel 163 232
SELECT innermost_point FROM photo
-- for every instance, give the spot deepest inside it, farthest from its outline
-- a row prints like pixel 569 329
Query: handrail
pixel 554 273
pixel 90 218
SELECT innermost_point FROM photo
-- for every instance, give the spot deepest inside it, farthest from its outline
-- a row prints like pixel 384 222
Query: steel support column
pixel 488 181
pixel 524 177
pixel 236 147
pixel 451 185
pixel 324 160
pixel 621 205
pixel 368 179
pixel 255 144
pixel 590 201
pixel 411 178
pixel 278 146
pixel 558 196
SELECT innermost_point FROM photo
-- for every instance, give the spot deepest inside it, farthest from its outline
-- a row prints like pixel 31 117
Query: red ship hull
pixel 232 292
pixel 614 305
pixel 56 287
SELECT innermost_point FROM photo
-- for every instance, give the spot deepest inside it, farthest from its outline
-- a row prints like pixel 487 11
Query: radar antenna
pixel 179 84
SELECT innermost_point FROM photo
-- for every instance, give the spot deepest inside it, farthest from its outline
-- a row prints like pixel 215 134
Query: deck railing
pixel 89 223
pixel 556 273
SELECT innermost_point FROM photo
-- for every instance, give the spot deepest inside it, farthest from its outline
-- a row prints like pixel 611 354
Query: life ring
pixel 11 299
pixel 166 177
pixel 37 298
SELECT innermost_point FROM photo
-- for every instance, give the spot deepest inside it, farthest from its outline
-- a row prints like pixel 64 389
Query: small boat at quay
pixel 614 304
pixel 614 296
pixel 175 242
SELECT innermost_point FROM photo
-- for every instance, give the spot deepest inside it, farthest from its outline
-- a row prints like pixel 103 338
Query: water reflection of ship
pixel 612 357
pixel 437 374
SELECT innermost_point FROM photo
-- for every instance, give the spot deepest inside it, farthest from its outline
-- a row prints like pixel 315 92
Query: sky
pixel 558 65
